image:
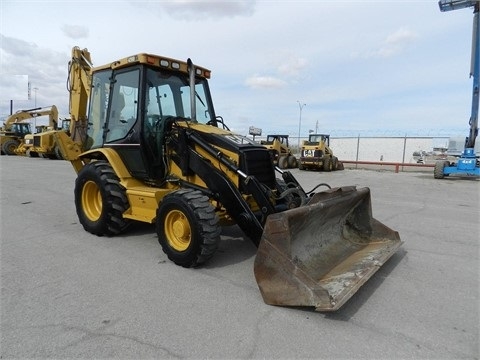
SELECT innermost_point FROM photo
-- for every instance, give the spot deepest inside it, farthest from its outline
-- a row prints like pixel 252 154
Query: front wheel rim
pixel 92 200
pixel 177 230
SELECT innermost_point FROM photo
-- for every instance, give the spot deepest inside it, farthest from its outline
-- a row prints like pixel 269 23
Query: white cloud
pixel 292 66
pixel 394 44
pixel 75 31
pixel 264 82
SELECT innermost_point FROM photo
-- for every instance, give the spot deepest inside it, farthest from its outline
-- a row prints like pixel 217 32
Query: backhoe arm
pixel 79 84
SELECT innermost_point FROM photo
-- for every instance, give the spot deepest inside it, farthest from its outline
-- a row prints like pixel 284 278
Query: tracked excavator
pixel 147 146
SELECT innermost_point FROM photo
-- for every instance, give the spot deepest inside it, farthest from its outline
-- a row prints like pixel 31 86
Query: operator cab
pixel 21 129
pixel 315 139
pixel 130 108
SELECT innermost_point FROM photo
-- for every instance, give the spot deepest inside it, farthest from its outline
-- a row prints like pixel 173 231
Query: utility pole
pixel 300 105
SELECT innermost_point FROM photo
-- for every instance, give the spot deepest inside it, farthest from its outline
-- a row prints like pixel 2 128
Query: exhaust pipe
pixel 193 105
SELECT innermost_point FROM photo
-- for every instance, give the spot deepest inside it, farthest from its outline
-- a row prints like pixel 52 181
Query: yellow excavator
pixel 150 148
pixel 17 127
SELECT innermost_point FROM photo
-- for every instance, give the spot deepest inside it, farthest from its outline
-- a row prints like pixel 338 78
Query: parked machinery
pixel 468 163
pixel 151 149
pixel 44 142
pixel 17 126
pixel 280 151
pixel 316 154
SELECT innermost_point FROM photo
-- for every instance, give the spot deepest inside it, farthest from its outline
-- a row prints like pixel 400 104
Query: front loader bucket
pixel 320 254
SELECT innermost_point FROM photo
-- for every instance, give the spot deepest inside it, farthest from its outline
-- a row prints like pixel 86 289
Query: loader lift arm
pixel 224 190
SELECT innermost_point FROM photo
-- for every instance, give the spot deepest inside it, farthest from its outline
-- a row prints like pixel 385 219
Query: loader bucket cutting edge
pixel 320 254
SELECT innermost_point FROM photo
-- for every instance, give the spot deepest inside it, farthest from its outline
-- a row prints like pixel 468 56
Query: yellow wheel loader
pixel 150 148
pixel 280 151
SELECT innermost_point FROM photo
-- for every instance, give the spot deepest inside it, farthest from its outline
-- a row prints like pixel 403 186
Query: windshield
pixel 317 138
pixel 168 94
pixel 21 128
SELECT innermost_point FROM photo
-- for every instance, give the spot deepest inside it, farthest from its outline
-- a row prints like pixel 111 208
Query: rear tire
pixel 187 227
pixel 327 164
pixel 100 200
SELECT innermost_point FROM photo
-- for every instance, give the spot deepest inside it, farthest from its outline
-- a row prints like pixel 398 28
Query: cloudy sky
pixel 381 68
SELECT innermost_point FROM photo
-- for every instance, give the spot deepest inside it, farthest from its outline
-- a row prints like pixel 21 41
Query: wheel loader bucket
pixel 320 254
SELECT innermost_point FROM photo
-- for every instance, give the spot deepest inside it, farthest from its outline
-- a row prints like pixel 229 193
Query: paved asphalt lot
pixel 68 294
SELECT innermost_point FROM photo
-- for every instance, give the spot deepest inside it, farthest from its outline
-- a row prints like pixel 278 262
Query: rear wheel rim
pixel 177 230
pixel 92 201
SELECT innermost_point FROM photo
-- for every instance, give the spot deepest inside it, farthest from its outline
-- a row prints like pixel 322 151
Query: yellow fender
pixel 113 159
pixel 143 199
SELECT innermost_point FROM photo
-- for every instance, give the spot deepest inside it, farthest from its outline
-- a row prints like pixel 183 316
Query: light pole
pixel 35 89
pixel 300 105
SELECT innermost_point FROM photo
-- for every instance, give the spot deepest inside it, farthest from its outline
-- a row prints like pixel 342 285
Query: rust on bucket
pixel 320 254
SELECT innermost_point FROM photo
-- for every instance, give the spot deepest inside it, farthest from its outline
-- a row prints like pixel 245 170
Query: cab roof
pixel 158 61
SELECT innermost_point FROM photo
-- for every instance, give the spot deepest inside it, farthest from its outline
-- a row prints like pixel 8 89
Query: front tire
pixel 9 146
pixel 438 170
pixel 334 163
pixel 32 154
pixel 100 200
pixel 58 153
pixel 292 162
pixel 282 162
pixel 187 227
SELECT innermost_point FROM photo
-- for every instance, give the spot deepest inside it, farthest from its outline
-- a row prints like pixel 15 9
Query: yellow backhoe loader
pixel 44 142
pixel 27 146
pixel 150 148
pixel 17 130
pixel 280 151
